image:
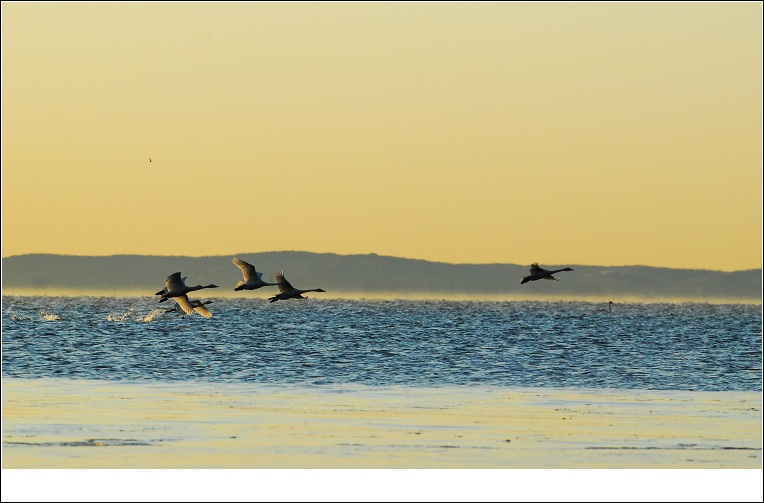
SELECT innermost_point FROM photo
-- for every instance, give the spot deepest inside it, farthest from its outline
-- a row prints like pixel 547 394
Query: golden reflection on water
pixel 49 423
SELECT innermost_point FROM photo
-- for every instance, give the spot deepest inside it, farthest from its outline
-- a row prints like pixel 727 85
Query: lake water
pixel 115 382
pixel 336 342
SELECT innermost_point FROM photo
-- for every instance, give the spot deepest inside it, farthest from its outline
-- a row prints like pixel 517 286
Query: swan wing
pixel 174 282
pixel 535 269
pixel 247 269
pixel 282 283
pixel 202 309
pixel 184 304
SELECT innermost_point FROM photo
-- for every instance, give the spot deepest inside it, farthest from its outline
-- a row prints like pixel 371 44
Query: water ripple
pixel 707 347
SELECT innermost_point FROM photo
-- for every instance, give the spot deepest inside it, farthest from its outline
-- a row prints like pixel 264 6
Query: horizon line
pixel 371 254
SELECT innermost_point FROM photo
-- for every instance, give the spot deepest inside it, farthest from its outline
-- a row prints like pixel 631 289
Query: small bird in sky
pixel 150 159
pixel 537 272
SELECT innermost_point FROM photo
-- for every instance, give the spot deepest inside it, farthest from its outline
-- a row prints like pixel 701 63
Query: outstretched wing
pixel 184 304
pixel 281 282
pixel 174 282
pixel 535 269
pixel 202 309
pixel 247 269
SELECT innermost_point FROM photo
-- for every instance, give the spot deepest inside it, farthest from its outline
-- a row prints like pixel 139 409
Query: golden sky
pixel 565 133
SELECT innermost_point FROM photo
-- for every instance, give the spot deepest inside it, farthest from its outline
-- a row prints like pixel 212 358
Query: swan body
pixel 537 272
pixel 175 287
pixel 196 305
pixel 287 291
pixel 252 279
pixel 164 290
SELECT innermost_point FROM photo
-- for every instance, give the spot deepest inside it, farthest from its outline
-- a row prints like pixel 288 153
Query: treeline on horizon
pixel 372 274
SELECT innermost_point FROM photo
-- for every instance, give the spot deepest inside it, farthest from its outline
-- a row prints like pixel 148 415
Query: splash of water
pixel 119 317
pixel 14 316
pixel 49 316
pixel 150 317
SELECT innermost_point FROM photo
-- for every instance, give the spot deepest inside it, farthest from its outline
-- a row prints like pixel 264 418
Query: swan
pixel 176 309
pixel 175 287
pixel 603 310
pixel 287 291
pixel 252 279
pixel 165 290
pixel 537 272
pixel 196 305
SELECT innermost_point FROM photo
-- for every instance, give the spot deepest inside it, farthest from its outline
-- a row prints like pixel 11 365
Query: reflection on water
pixel 79 423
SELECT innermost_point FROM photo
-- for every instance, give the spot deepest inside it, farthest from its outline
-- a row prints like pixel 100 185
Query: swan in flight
pixel 287 291
pixel 252 279
pixel 164 290
pixel 175 287
pixel 196 305
pixel 537 272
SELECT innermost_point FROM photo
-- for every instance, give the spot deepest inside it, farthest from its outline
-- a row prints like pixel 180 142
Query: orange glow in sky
pixel 566 133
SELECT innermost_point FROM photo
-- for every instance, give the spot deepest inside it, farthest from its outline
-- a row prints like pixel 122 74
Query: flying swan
pixel 196 305
pixel 252 279
pixel 537 272
pixel 287 291
pixel 175 287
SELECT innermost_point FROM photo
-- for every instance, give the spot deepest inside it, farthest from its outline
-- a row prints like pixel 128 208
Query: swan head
pixel 320 290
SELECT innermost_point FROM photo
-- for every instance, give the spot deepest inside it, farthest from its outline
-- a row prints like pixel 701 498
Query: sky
pixel 566 133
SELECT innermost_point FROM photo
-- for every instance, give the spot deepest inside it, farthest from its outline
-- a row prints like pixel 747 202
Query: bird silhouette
pixel 537 272
pixel 287 291
pixel 175 288
pixel 252 279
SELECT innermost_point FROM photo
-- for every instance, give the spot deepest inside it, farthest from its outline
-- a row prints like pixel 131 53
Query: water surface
pixel 318 342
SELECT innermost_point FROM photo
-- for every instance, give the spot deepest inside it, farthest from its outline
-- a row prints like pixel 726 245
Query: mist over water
pixel 315 342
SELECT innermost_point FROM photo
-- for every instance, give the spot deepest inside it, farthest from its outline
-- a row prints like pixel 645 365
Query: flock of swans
pixel 175 287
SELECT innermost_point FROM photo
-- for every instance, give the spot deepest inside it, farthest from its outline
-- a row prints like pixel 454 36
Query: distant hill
pixel 372 275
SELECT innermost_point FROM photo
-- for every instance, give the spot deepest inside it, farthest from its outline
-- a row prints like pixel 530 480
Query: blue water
pixel 313 342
